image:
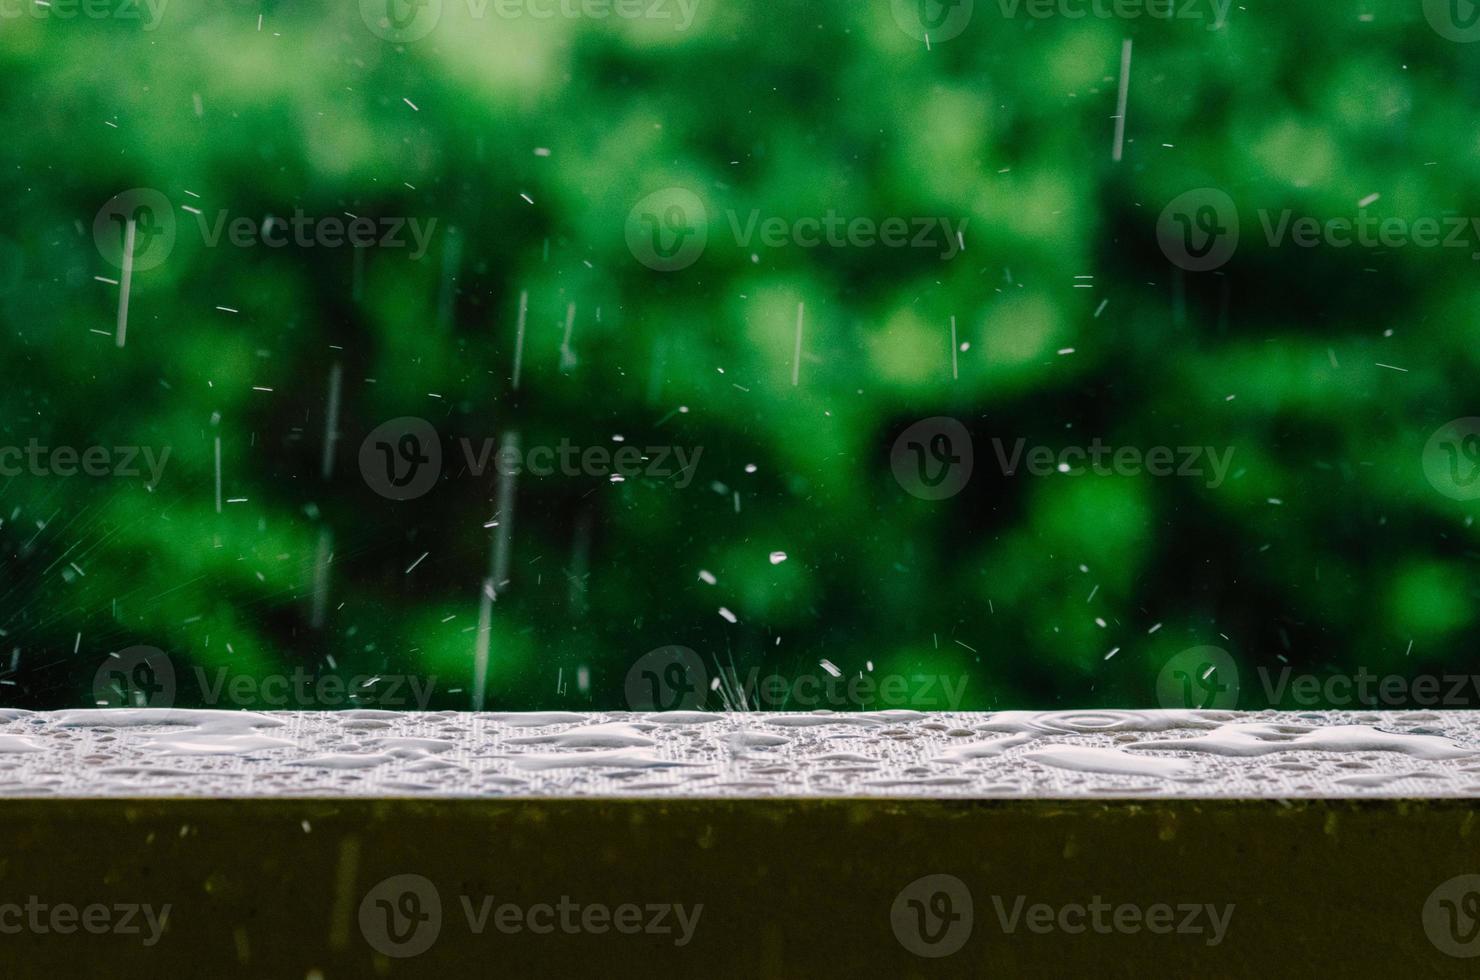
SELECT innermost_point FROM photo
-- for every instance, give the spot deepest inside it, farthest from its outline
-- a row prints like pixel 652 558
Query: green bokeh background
pixel 1017 587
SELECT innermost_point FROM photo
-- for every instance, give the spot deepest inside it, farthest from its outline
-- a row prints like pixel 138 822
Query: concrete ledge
pixel 1168 878
pixel 122 752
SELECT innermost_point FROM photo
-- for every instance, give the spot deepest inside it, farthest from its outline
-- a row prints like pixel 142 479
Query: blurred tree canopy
pixel 520 145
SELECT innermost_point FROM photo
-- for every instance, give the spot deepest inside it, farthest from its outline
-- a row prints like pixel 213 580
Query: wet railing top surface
pixel 124 752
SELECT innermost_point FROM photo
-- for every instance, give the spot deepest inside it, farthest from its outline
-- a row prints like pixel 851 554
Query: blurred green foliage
pixel 1020 584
